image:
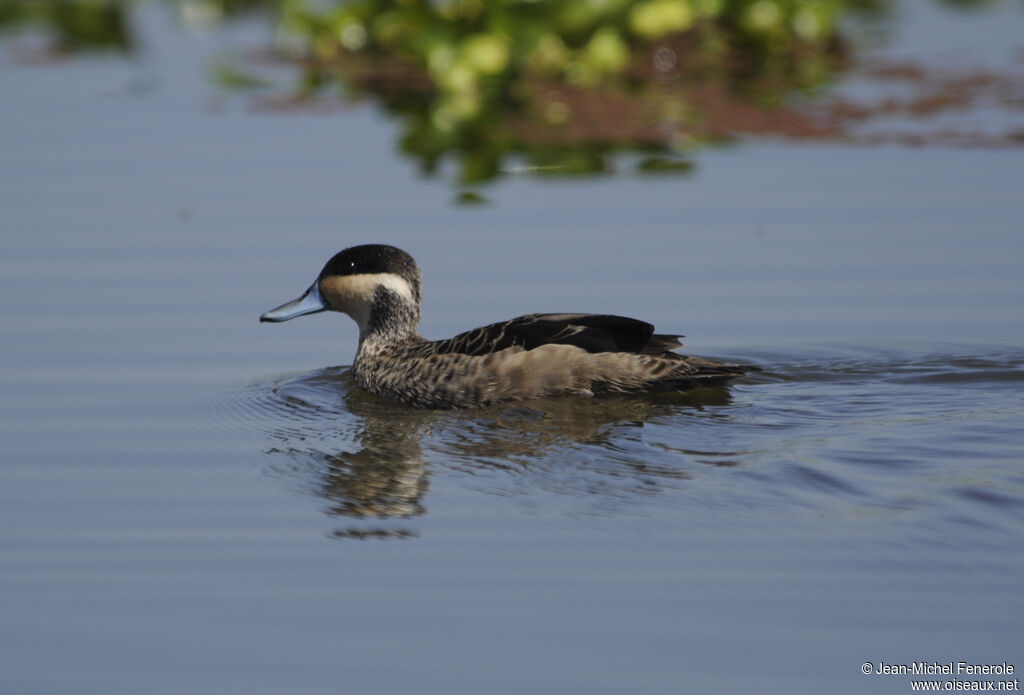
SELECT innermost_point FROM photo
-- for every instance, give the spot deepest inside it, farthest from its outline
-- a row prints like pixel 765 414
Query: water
pixel 193 502
pixel 867 431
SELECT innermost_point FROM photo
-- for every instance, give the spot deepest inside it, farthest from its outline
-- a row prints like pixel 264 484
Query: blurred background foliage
pixel 81 24
pixel 560 83
pixel 544 86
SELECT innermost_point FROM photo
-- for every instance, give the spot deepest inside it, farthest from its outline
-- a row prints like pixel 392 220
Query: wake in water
pixel 901 432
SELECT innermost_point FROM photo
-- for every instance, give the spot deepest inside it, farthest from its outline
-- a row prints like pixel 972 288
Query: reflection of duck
pixel 527 357
pixel 372 461
pixel 362 454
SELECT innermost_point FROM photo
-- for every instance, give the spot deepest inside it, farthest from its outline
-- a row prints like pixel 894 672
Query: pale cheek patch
pixel 353 294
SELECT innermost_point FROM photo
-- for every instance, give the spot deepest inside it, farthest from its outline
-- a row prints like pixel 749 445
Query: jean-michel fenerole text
pixel 930 668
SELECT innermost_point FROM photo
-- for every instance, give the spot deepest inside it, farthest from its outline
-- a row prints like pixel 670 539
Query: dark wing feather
pixel 591 332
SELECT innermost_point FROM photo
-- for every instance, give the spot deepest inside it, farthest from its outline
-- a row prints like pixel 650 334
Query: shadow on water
pixel 367 457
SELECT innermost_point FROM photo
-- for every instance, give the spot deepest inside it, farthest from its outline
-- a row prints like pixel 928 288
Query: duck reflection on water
pixel 370 459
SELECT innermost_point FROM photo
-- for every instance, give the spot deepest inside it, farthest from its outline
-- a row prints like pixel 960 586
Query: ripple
pixel 840 429
pixel 994 499
pixel 820 480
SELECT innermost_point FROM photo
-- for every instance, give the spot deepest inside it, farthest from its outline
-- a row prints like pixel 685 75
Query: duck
pixel 524 358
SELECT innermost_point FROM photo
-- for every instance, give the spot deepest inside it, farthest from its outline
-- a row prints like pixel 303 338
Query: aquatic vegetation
pixel 85 24
pixel 552 87
pixel 548 87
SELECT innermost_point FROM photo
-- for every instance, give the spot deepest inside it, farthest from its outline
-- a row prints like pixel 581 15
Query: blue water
pixel 193 502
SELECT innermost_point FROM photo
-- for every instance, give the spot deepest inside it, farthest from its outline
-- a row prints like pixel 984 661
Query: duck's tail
pixel 695 372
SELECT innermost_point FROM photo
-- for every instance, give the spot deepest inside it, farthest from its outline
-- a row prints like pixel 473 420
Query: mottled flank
pixel 527 357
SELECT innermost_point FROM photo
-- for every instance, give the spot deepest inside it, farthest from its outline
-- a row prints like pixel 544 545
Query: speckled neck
pixel 393 319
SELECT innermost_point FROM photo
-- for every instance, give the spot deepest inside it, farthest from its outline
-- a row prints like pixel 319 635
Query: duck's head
pixel 377 285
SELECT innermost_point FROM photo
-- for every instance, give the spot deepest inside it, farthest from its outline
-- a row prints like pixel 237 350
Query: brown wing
pixel 591 332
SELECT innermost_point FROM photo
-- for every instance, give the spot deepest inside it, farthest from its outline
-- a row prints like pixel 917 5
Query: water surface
pixel 193 502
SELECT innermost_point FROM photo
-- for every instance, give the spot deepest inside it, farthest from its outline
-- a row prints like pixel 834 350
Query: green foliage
pixel 94 24
pixel 487 62
pixel 102 25
pixel 554 85
pixel 580 40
